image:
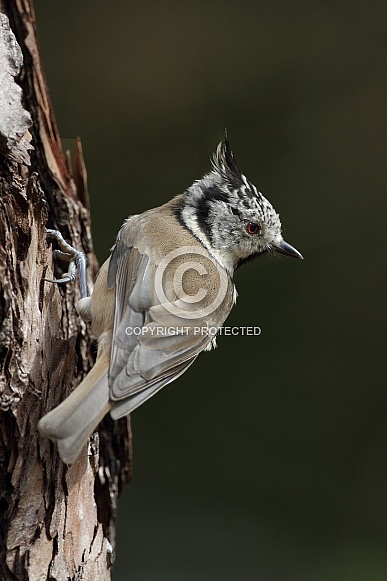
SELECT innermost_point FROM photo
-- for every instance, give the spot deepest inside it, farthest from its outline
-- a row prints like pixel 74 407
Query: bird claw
pixel 66 256
pixel 64 279
pixel 75 258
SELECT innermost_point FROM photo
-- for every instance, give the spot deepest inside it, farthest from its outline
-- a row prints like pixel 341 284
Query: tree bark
pixel 56 522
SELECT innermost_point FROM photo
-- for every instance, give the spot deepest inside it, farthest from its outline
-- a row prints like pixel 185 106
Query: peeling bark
pixel 56 522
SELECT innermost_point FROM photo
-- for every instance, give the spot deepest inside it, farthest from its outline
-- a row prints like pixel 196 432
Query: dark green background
pixel 268 459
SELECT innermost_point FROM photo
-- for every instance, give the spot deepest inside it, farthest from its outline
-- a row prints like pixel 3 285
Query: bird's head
pixel 230 216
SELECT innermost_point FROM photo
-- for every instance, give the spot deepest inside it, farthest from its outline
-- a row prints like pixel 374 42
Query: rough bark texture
pixel 55 522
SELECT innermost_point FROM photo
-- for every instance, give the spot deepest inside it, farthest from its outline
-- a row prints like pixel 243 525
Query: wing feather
pixel 145 357
pixel 127 405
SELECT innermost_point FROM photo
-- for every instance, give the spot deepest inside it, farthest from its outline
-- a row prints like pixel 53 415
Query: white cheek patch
pixel 189 216
pixel 190 219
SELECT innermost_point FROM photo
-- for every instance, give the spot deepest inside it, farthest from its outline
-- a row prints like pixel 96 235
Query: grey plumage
pixel 198 238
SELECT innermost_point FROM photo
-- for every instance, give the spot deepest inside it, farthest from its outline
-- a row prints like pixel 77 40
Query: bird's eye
pixel 252 228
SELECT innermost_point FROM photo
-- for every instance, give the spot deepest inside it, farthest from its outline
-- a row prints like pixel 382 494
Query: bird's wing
pixel 145 355
pixel 125 406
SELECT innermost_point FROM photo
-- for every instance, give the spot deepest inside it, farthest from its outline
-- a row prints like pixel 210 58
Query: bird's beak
pixel 284 248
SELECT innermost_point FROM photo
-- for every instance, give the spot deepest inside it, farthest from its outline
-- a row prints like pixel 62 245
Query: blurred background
pixel 268 459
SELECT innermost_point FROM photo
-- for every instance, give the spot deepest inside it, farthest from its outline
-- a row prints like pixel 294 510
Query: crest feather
pixel 223 162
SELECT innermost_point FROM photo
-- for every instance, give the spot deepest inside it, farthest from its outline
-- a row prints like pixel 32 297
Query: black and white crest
pixel 223 162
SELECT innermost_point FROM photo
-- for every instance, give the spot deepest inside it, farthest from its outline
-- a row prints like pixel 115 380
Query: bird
pixel 163 294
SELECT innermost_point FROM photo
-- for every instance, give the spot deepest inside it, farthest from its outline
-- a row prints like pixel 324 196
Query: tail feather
pixel 75 419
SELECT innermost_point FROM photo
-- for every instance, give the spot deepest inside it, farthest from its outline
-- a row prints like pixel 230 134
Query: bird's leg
pixel 76 260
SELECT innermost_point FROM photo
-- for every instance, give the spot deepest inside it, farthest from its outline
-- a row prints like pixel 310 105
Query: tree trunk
pixel 56 522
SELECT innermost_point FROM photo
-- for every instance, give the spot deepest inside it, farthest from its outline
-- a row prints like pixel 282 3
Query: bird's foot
pixel 75 258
